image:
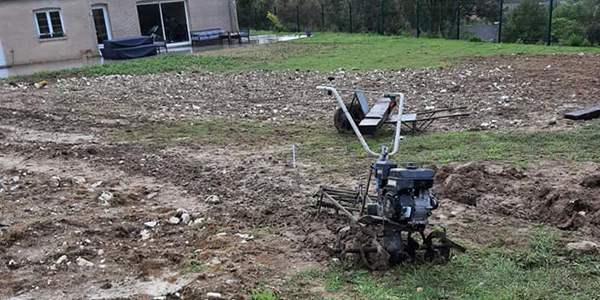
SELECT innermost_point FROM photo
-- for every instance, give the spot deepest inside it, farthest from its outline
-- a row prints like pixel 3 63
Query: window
pixel 49 23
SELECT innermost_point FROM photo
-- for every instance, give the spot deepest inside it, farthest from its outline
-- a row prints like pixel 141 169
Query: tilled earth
pixel 85 216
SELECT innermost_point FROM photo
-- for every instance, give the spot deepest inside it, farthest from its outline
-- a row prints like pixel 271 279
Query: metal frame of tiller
pixel 360 208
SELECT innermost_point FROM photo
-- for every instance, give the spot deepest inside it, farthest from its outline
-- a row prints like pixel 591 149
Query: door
pixel 165 21
pixel 101 24
pixel 175 22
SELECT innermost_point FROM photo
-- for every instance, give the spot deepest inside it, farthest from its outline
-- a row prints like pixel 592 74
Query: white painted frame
pixel 187 21
pixel 47 11
pixel 104 9
pixel 2 58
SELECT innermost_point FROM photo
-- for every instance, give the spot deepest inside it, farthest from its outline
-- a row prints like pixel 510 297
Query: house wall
pixel 205 14
pixel 19 34
pixel 18 29
pixel 123 17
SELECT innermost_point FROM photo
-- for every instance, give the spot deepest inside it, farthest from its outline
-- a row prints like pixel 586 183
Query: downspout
pixel 233 16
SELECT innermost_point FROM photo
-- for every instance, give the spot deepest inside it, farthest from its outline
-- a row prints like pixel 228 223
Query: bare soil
pixel 74 202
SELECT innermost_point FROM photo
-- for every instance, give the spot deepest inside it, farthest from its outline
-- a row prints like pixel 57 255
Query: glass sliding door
pixel 175 22
pixel 167 21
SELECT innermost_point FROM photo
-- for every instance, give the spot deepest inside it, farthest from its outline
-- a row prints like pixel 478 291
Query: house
pixel 33 31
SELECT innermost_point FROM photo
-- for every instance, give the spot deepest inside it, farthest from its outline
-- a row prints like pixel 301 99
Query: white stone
pixel 230 281
pixel 96 184
pixel 54 181
pixel 12 264
pixel 84 263
pixel 174 220
pixel 583 246
pixel 105 197
pixel 212 199
pixel 145 234
pixel 245 236
pixel 77 180
pixel 211 295
pixel 151 224
pixel 185 218
pixel 61 259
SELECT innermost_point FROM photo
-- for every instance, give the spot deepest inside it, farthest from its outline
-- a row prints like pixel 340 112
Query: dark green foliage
pixel 584 14
pixel 563 28
pixel 474 38
pixel 576 41
pixel 527 23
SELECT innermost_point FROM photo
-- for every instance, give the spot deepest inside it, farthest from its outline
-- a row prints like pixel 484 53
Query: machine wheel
pixel 339 118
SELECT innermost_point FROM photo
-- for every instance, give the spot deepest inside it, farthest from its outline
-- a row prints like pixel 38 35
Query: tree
pixel 563 29
pixel 527 22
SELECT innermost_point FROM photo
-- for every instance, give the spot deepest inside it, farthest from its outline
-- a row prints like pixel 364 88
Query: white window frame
pixel 47 11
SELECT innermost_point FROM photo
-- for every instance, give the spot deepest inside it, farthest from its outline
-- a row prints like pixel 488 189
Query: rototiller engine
pixel 388 227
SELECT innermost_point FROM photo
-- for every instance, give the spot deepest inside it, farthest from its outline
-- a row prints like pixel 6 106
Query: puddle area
pixel 68 64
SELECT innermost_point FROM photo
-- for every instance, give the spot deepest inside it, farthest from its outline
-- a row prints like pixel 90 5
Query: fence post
pixel 350 14
pixel 458 20
pixel 255 19
pixel 322 17
pixel 382 16
pixel 418 15
pixel 298 17
pixel 275 10
pixel 550 22
pixel 500 21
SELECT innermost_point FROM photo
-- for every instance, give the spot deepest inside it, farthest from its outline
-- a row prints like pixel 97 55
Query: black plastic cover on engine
pixel 383 169
pixel 417 178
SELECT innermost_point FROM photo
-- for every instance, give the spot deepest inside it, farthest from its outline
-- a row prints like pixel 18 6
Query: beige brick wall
pixel 18 30
pixel 204 14
pixel 123 17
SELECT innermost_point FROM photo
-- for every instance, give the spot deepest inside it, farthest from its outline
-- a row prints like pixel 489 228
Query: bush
pixel 577 41
pixel 474 38
pixel 404 32
pixel 275 21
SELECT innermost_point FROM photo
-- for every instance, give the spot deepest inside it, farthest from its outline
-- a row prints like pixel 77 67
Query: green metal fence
pixel 527 21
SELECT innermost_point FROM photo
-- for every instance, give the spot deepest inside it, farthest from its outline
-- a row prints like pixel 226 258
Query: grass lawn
pixel 542 271
pixel 325 52
pixel 322 144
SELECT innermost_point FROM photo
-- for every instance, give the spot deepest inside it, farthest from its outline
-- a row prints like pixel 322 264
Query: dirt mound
pixel 591 181
pixel 468 183
pixel 559 198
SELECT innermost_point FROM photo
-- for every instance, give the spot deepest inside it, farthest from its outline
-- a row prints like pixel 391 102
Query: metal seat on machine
pixel 376 116
pixel 380 114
